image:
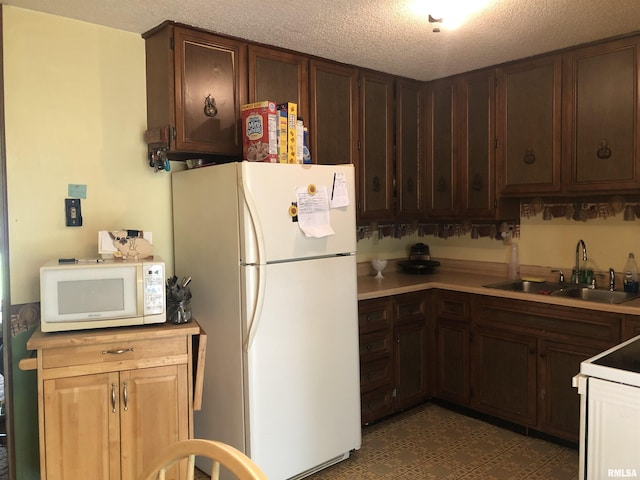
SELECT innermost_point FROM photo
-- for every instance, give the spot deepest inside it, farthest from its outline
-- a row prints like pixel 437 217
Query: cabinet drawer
pixel 113 352
pixel 375 374
pixel 453 305
pixel 375 344
pixel 409 307
pixel 376 404
pixel 374 315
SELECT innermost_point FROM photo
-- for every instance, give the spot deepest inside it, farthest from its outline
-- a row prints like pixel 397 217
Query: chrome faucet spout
pixel 584 258
pixel 612 280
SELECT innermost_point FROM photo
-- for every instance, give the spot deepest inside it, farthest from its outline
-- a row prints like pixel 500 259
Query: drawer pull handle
pixel 119 351
pixel 125 396
pixel 113 397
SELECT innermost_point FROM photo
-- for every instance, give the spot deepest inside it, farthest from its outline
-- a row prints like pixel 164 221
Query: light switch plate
pixel 73 213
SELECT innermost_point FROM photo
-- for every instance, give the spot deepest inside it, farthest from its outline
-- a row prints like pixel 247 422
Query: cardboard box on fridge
pixel 282 136
pixel 292 118
pixel 259 131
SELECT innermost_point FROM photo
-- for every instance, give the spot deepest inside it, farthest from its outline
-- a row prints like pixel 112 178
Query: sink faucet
pixel 584 258
pixel 612 280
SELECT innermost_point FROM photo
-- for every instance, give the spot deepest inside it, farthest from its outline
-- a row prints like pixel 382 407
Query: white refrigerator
pixel 282 379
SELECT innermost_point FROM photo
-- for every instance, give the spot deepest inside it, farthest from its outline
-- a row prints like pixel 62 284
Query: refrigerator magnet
pixel 311 189
pixel 293 212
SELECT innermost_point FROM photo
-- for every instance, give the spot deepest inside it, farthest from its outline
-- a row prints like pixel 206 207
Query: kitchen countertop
pixel 471 281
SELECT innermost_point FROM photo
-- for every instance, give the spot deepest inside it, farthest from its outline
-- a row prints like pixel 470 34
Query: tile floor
pixel 432 442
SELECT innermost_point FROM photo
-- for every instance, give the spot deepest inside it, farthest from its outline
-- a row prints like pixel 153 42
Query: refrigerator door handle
pixel 257 228
pixel 255 221
pixel 257 308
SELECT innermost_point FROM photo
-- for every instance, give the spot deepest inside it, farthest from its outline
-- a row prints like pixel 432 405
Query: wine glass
pixel 378 265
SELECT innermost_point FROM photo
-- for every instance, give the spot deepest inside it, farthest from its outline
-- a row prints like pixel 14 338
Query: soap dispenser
pixel 630 275
pixel 514 264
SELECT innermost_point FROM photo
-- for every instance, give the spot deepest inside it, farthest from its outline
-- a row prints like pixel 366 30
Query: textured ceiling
pixel 380 34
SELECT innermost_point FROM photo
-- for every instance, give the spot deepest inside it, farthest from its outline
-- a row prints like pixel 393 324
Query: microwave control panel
pixel 153 289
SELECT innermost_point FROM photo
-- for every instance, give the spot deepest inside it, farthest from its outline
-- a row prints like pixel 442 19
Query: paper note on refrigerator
pixel 339 193
pixel 313 212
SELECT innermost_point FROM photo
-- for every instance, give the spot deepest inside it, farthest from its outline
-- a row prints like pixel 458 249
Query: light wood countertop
pixel 451 275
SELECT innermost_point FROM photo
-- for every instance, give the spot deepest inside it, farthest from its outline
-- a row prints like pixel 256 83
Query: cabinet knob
pixel 210 109
pixel 529 157
pixel 369 347
pixel 604 150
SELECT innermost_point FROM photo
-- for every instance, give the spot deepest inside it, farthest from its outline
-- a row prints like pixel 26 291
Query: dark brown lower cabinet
pixel 503 374
pixel 559 403
pixel 451 363
pixel 393 354
pixel 524 355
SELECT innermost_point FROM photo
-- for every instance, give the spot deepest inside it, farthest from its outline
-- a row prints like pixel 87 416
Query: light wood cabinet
pixel 279 76
pixel 109 399
pixel 196 82
pixel 602 121
pixel 529 127
pixel 334 117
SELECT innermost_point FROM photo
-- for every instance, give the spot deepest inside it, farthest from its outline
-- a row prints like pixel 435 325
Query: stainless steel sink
pixel 593 295
pixel 526 286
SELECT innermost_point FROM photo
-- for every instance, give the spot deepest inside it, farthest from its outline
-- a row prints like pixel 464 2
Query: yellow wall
pixel 75 109
pixel 548 243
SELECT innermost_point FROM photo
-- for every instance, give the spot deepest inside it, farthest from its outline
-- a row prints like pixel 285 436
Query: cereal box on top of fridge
pixel 259 132
pixel 292 115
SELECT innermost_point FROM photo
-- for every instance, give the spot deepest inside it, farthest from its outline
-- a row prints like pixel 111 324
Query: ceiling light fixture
pixel 436 22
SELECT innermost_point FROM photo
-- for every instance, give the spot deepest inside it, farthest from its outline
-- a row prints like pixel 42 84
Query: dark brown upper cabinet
pixel 196 83
pixel 529 127
pixel 279 76
pixel 601 117
pixel 376 172
pixel 442 147
pixel 476 152
pixel 334 104
pixel 410 151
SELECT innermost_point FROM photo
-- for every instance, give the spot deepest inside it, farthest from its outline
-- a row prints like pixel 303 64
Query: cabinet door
pixel 279 76
pixel 442 148
pixel 602 123
pixel 214 68
pixel 334 101
pixel 630 327
pixel 477 138
pixel 529 126
pixel 376 168
pixel 410 333
pixel 504 374
pixel 155 413
pixel 452 361
pixel 410 160
pixel 82 427
pixel 559 405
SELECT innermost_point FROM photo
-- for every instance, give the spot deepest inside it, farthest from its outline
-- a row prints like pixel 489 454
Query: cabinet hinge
pixel 471 337
pixel 394 394
pixel 174 133
pixel 495 143
pixel 359 145
pixel 471 392
pixel 172 43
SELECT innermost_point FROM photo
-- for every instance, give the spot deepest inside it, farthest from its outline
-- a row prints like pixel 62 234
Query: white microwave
pixel 84 294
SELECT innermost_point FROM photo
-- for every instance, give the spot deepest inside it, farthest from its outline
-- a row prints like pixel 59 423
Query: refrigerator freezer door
pixel 302 379
pixel 270 234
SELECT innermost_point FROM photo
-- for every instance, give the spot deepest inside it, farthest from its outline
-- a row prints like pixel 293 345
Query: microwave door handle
pixel 256 313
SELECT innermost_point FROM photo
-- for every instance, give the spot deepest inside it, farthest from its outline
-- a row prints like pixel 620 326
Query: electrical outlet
pixel 73 213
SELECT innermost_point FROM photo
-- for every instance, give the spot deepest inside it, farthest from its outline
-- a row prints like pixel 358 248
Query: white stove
pixel 609 388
